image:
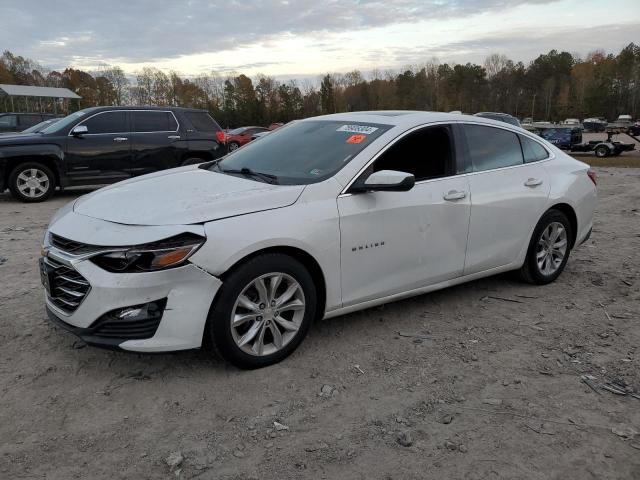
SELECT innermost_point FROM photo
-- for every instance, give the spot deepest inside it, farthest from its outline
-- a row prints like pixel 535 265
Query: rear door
pixel 103 154
pixel 508 196
pixel 205 135
pixel 156 142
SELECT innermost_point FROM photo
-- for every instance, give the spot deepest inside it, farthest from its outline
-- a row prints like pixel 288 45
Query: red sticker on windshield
pixel 356 138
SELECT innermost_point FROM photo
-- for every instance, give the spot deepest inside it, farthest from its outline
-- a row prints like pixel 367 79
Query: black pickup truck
pixel 103 145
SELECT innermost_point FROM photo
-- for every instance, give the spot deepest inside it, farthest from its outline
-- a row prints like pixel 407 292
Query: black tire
pixel 602 151
pixel 531 272
pixel 15 182
pixel 233 146
pixel 219 331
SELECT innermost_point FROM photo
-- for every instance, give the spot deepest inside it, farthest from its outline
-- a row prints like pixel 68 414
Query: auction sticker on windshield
pixel 356 138
pixel 365 129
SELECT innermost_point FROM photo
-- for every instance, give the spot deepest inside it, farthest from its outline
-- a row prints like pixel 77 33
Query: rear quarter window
pixel 532 150
pixel 202 122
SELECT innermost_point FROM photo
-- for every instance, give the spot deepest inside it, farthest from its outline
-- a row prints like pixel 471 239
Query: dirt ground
pixel 479 381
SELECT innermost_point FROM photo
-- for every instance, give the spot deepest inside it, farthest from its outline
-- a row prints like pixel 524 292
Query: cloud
pixel 63 32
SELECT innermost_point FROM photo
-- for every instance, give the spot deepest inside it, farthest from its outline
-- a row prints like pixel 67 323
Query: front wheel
pixel 32 182
pixel 602 151
pixel 548 250
pixel 263 311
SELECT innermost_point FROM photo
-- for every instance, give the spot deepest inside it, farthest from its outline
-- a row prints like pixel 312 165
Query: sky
pixel 298 38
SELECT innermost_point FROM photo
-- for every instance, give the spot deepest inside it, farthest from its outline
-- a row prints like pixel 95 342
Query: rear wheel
pixel 548 250
pixel 32 182
pixel 263 311
pixel 233 146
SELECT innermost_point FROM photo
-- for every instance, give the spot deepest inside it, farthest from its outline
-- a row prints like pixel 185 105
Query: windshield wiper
pixel 251 173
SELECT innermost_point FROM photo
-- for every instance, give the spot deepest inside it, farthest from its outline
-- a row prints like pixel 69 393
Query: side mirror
pixel 79 130
pixel 386 181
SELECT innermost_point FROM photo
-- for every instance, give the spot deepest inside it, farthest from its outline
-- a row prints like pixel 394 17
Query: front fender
pixel 50 154
pixel 312 227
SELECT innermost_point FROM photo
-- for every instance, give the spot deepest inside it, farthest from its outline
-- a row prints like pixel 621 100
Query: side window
pixel 426 153
pixel 108 122
pixel 532 150
pixel 7 121
pixel 29 120
pixel 491 147
pixel 202 122
pixel 153 122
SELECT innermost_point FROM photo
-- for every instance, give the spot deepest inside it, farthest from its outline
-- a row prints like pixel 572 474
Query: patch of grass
pixel 621 161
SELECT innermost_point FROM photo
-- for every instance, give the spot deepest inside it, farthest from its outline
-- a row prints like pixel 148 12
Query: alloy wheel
pixel 551 248
pixel 267 314
pixel 33 183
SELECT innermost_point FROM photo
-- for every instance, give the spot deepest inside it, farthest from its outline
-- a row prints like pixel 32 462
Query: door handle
pixel 533 182
pixel 120 139
pixel 174 137
pixel 453 195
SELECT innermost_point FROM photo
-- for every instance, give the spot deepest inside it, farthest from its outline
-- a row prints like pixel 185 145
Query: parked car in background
pixel 17 122
pixel 501 117
pixel 562 136
pixel 324 217
pixel 104 145
pixel 241 136
pixel 39 127
pixel 258 135
pixel 571 121
pixel 276 125
pixel 635 129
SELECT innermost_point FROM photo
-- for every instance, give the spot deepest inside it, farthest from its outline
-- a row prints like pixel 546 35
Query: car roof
pixel 141 107
pixel 409 118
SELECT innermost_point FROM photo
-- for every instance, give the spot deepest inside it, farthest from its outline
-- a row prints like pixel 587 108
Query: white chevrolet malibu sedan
pixel 322 217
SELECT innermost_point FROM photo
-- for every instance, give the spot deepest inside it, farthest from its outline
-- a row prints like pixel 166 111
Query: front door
pixel 103 153
pixel 392 242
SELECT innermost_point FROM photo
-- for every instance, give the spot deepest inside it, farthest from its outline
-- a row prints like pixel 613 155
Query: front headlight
pixel 168 253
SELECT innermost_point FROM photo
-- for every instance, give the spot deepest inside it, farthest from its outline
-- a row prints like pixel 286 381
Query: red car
pixel 240 136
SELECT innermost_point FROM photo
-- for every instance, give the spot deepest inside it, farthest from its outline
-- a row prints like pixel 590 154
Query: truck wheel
pixel 32 182
pixel 602 151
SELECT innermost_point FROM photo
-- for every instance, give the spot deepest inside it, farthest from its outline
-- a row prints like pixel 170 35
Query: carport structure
pixel 17 94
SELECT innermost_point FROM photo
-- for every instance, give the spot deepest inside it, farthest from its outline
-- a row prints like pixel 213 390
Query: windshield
pixel 303 152
pixel 65 122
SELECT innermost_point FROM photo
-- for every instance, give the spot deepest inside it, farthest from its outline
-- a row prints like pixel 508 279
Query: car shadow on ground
pixel 321 337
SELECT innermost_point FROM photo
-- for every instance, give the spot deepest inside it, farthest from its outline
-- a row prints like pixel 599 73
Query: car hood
pixel 10 138
pixel 183 196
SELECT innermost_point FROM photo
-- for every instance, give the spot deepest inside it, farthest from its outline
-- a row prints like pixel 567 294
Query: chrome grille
pixel 71 246
pixel 69 287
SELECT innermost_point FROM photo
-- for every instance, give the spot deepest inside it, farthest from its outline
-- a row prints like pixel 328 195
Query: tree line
pixel 554 86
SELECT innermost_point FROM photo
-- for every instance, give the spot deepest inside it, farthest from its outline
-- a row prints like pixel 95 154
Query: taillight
pixel 220 135
pixel 593 176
